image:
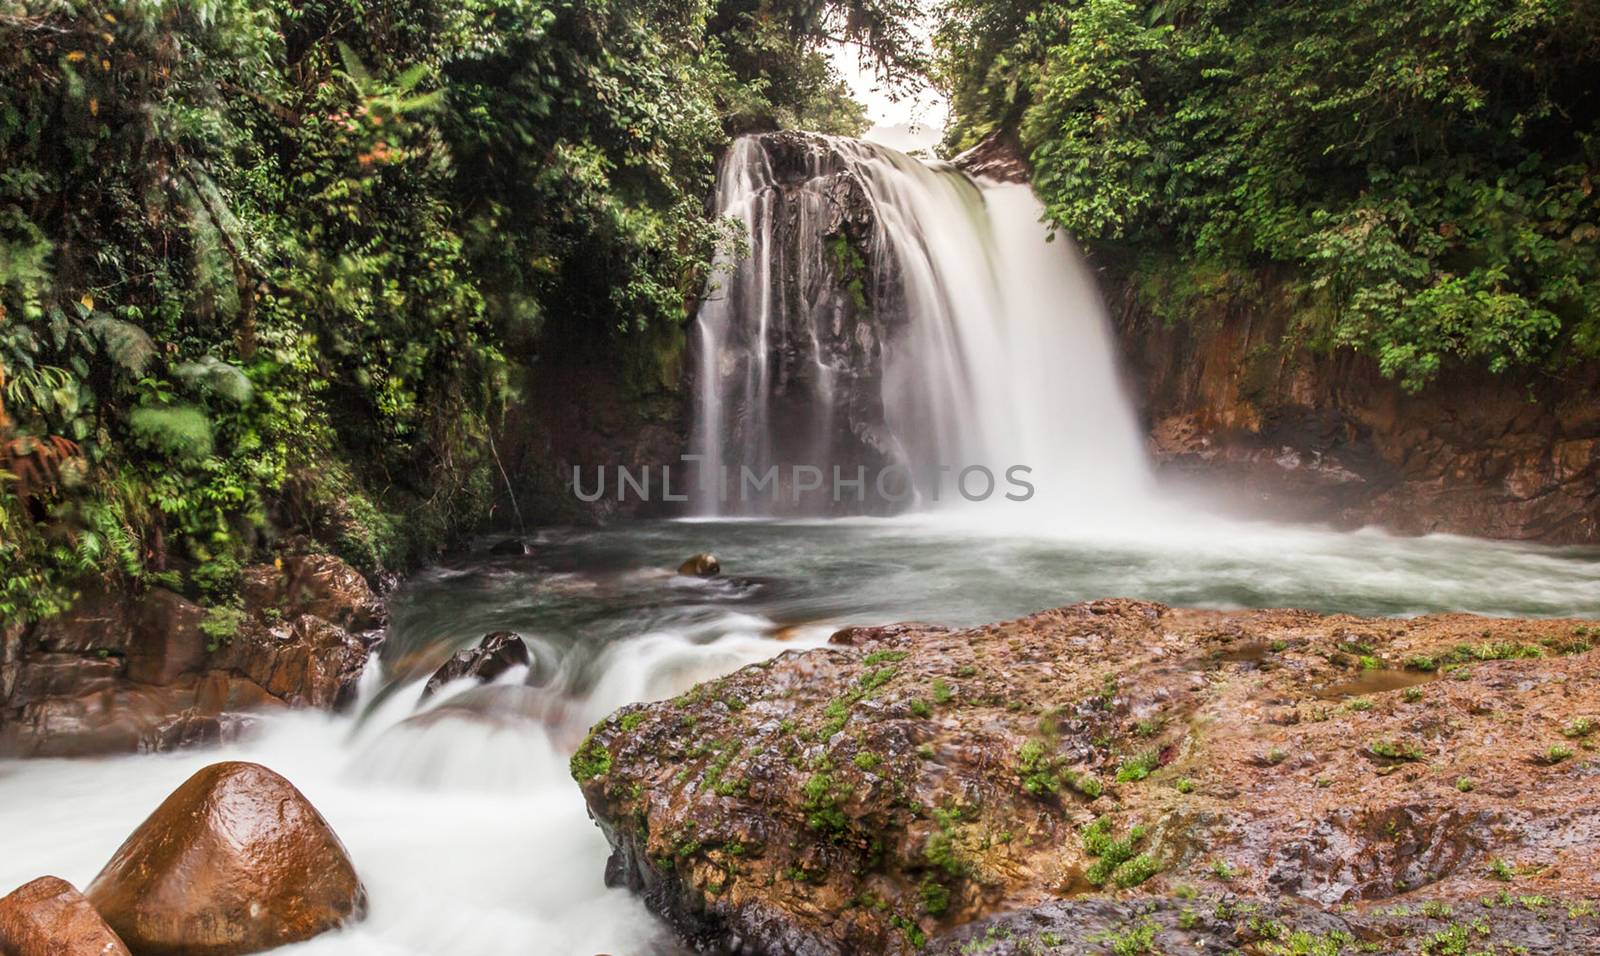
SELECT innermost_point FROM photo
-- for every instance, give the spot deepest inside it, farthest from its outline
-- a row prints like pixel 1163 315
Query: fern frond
pixel 179 430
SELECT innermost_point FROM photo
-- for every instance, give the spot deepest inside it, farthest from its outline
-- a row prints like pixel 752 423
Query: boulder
pixel 236 860
pixel 317 584
pixel 884 792
pixel 124 670
pixel 702 565
pixel 306 662
pixel 495 654
pixel 169 640
pixel 49 917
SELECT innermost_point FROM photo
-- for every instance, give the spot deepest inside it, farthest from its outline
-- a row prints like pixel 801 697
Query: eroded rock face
pixel 234 861
pixel 49 917
pixel 1328 437
pixel 494 655
pixel 123 672
pixel 906 781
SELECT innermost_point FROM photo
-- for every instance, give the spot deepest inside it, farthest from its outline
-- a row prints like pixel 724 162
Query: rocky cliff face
pixel 125 671
pixel 1326 437
pixel 1097 768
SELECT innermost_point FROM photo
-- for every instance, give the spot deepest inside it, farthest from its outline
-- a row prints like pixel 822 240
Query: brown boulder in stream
pixel 235 861
pixel 49 917
pixel 702 565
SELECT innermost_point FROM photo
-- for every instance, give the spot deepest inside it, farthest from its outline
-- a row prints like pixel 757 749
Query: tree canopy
pixel 1424 172
pixel 275 267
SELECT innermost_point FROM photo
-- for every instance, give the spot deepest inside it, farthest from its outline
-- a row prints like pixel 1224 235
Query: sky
pixel 914 121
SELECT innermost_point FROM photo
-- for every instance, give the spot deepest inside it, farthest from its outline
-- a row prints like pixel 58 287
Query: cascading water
pixel 886 312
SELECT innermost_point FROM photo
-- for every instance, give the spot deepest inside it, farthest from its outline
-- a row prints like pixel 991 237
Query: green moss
pixel 1135 871
pixel 591 760
pixel 1112 853
pixel 822 795
pixel 1556 753
pixel 1395 750
pixel 943 849
pixel 1137 940
pixel 884 657
pixel 1138 767
pixel 913 933
pixel 1302 943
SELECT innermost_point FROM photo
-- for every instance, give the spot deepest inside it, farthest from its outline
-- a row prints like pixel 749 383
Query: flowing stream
pixel 460 814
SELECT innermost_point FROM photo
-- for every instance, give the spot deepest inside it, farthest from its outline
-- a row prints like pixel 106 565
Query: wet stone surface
pixel 896 789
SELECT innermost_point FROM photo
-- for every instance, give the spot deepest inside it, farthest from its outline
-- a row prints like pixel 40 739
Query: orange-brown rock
pixel 236 860
pixel 49 917
pixel 906 782
pixel 125 671
pixel 1324 435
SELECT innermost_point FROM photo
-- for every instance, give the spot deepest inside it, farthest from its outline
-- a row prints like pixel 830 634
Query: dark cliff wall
pixel 1325 436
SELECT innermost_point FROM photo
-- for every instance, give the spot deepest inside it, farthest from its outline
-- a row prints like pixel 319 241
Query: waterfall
pixel 887 314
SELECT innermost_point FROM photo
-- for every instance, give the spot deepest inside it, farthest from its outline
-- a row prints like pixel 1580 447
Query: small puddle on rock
pixel 1374 682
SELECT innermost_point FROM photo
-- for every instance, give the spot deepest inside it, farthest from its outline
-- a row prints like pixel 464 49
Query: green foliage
pixel 1422 173
pixel 1138 766
pixel 273 268
pixel 821 796
pixel 1115 859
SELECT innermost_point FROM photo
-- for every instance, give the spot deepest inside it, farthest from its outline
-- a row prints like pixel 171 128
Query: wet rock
pixel 236 860
pixel 307 662
pixel 1230 924
pixel 510 547
pixel 1325 435
pixel 495 654
pixel 904 782
pixel 702 565
pixel 124 671
pixel 170 642
pixel 320 585
pixel 998 156
pixel 49 917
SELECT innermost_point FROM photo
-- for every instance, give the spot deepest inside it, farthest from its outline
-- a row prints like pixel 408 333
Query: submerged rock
pixel 510 547
pixel 879 794
pixel 702 565
pixel 495 654
pixel 235 861
pixel 49 917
